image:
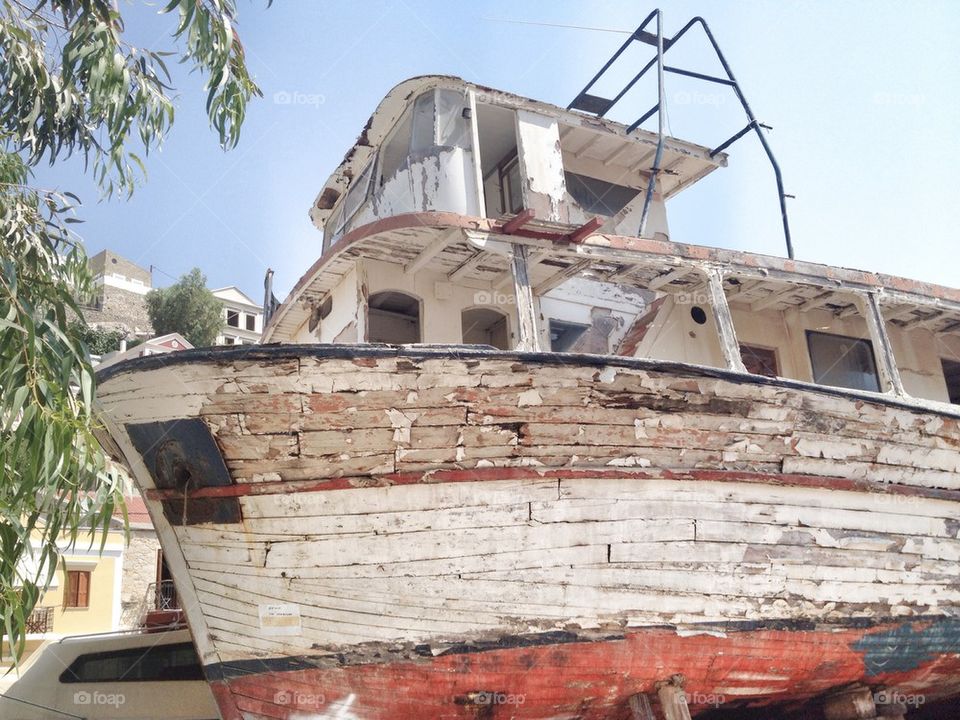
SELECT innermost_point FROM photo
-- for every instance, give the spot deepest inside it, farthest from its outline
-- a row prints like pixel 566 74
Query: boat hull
pixel 396 532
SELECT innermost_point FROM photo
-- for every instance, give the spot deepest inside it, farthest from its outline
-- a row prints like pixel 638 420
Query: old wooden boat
pixel 503 456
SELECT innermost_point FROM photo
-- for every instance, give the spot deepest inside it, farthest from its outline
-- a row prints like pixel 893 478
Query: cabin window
pixel 394 317
pixel 233 318
pixel 497 132
pixel 423 122
pixel 759 360
pixel 511 193
pixel 356 195
pixel 951 373
pixel 251 321
pixel 564 335
pixel 843 361
pixel 156 663
pixel 453 129
pixel 484 326
pixel 77 591
pixel 394 152
pixel 598 197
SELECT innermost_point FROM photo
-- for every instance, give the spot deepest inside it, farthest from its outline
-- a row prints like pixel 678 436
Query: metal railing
pixel 158 596
pixel 40 620
pixel 599 106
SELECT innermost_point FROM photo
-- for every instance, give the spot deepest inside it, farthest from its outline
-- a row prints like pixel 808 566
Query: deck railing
pixel 40 620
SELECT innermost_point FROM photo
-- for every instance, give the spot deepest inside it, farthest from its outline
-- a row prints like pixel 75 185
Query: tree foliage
pixel 186 307
pixel 98 341
pixel 71 84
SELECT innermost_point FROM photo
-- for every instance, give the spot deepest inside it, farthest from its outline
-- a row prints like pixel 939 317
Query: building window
pixel 233 318
pixel 77 592
pixel 564 335
pixel 951 373
pixel 484 326
pixel 511 196
pixel 227 340
pixel 394 317
pixel 160 662
pixel 843 361
pixel 251 322
pixel 759 360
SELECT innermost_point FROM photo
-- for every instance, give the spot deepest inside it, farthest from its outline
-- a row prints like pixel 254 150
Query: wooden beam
pixel 515 223
pixel 661 280
pixel 641 708
pixel 673 701
pixel 851 704
pixel 618 152
pixel 589 144
pixel 772 299
pixel 585 230
pixel 620 274
pixel 527 317
pixel 725 329
pixel 816 302
pixel 887 363
pixel 850 311
pixel 466 266
pixel 563 274
pixel 432 249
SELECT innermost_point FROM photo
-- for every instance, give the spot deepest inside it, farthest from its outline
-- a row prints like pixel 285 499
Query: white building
pixel 242 317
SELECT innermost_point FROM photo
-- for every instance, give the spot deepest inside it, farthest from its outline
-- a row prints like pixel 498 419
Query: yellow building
pixel 85 596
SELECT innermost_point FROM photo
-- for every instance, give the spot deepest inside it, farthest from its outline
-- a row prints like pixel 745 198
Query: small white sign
pixel 280 619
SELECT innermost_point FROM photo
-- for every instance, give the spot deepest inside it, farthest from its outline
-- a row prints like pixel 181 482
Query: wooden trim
pixel 527 324
pixel 517 473
pixel 729 345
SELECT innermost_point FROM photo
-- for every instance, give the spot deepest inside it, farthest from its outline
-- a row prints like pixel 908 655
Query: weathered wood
pixel 673 700
pixel 887 365
pixel 527 315
pixel 852 704
pixel 404 500
pixel 725 329
pixel 640 707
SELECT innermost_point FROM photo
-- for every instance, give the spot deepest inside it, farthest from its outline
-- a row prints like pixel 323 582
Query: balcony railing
pixel 160 606
pixel 40 620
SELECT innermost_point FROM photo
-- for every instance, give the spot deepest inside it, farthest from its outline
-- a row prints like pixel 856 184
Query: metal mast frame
pixel 599 106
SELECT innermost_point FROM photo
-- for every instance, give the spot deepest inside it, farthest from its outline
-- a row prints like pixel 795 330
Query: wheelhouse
pixel 467 215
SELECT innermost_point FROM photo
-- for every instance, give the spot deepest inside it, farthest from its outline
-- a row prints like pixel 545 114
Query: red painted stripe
pixel 518 473
pixel 591 680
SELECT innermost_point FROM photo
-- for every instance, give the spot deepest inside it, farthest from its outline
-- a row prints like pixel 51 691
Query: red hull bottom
pixel 918 661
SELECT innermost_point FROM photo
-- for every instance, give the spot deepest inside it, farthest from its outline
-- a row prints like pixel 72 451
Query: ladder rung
pixel 593 104
pixel 647 37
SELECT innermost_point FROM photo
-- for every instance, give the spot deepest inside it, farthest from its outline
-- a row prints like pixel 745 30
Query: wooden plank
pixel 725 329
pixel 432 249
pixel 527 315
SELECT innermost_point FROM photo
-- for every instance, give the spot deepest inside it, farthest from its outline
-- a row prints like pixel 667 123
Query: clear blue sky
pixel 864 98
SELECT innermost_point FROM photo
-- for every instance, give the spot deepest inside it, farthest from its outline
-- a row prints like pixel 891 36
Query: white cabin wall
pixel 918 354
pixel 657 226
pixel 440 320
pixel 675 336
pixel 541 166
pixel 342 323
